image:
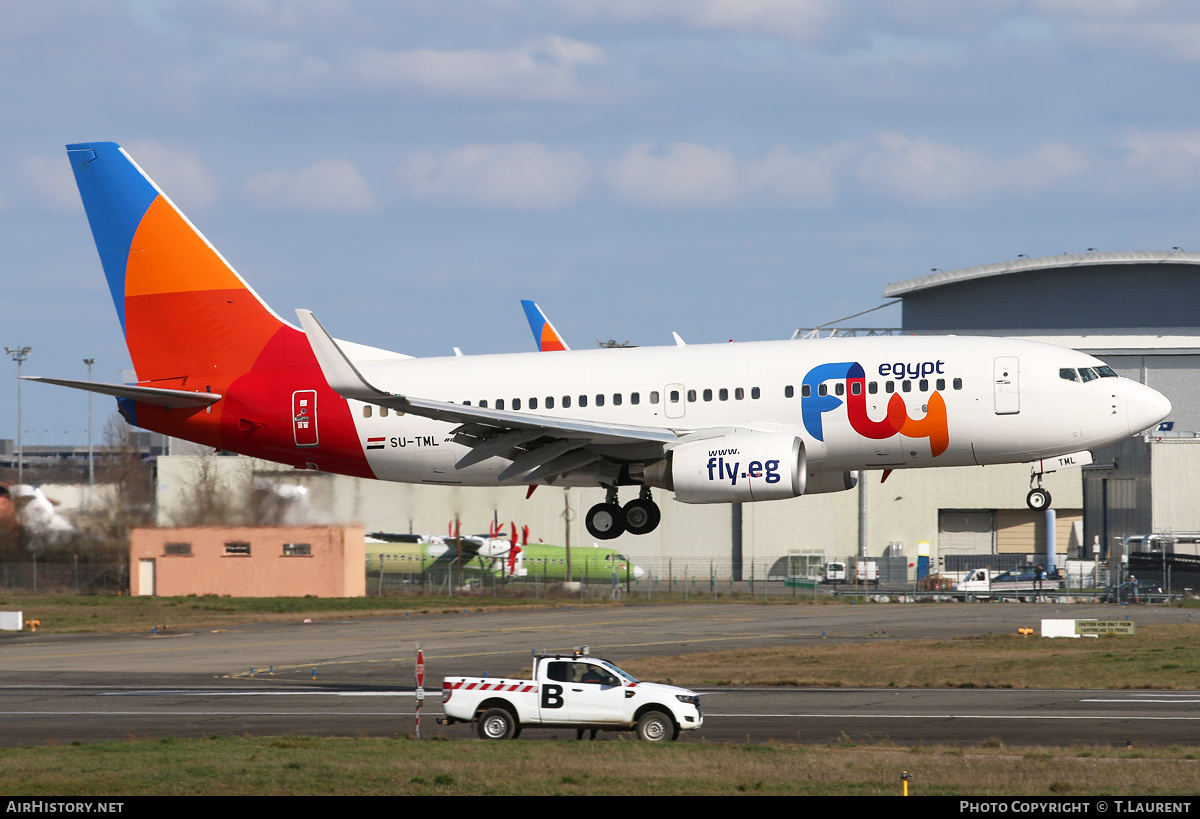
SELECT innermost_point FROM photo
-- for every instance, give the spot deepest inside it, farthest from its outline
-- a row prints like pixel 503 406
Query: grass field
pixel 361 766
pixel 107 614
pixel 1158 657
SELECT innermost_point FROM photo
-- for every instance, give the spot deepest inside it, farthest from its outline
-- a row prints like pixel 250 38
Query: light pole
pixel 19 354
pixel 91 464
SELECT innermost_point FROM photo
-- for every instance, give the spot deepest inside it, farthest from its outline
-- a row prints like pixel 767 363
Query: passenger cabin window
pixel 708 395
pixel 674 396
pixel 583 400
pixel 856 388
pixel 654 396
pixel 906 385
pixel 499 403
pixel 383 413
pixel 789 391
pixel 805 390
pixel 367 411
pixel 723 394
pixel 600 399
pixel 822 390
pixel 873 387
pixel 889 387
pixel 635 398
pixel 923 385
pixel 483 404
pixel 566 402
pixel 617 399
pixel 549 402
pixel 941 383
pixel 516 403
pixel 839 388
pixel 958 383
pixel 755 392
pixel 691 396
pixel 739 394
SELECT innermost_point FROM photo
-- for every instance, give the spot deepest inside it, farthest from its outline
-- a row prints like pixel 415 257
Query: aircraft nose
pixel 638 572
pixel 1146 407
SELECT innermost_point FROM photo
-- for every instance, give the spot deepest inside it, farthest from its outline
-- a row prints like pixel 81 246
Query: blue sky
pixel 721 168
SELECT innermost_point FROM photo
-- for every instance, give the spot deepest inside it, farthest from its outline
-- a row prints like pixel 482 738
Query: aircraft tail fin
pixel 189 319
pixel 544 334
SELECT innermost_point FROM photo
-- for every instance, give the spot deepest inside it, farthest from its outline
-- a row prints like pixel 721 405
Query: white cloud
pixel 803 20
pixel 1171 155
pixel 545 69
pixel 524 175
pixel 327 186
pixel 922 170
pixel 689 175
pixel 181 175
pixel 808 180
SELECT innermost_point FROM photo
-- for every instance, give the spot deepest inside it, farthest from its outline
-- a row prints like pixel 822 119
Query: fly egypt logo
pixel 719 469
pixel 814 406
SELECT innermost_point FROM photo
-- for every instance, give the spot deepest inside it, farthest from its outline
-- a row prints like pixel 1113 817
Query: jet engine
pixel 819 482
pixel 741 466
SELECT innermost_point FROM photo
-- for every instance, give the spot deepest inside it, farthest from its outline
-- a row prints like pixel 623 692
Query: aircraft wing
pixel 540 447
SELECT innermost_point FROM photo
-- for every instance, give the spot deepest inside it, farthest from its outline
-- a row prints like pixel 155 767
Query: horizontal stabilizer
pixel 171 399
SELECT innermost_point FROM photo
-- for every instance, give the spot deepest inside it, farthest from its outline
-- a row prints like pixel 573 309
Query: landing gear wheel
pixel 1038 499
pixel 655 726
pixel 605 521
pixel 641 516
pixel 496 723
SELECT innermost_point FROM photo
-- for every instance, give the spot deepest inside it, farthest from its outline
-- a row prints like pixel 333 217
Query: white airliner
pixel 714 423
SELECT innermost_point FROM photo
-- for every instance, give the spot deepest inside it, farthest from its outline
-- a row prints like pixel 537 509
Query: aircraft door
pixel 674 401
pixel 304 417
pixel 1007 385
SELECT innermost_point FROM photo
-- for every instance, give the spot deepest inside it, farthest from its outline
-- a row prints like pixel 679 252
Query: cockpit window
pixel 1087 374
pixel 1106 372
pixel 1068 374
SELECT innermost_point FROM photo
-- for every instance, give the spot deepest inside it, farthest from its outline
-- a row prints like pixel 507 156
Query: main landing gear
pixel 1038 498
pixel 608 520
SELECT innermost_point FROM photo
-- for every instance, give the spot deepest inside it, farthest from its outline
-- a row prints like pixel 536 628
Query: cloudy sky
pixel 721 168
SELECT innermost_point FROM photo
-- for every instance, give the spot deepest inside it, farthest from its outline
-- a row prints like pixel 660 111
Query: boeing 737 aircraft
pixel 714 423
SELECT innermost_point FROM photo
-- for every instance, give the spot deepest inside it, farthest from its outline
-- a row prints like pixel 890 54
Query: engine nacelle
pixel 742 466
pixel 819 482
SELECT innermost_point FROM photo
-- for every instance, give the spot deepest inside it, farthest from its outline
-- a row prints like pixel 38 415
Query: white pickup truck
pixel 1015 583
pixel 570 691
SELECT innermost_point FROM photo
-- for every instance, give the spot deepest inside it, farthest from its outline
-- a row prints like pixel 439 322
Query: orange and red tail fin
pixel 189 319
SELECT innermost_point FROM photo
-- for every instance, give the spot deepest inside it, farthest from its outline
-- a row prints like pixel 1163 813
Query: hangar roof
pixel 1067 260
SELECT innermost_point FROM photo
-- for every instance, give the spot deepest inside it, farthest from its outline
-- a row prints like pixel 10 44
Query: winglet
pixel 679 342
pixel 544 334
pixel 343 377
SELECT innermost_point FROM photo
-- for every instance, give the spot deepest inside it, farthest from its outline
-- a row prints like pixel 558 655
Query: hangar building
pixel 1134 310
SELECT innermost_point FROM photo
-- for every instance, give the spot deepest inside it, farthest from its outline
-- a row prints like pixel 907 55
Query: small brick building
pixel 245 561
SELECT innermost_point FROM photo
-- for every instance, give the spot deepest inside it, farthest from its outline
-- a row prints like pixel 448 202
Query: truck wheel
pixel 496 723
pixel 655 726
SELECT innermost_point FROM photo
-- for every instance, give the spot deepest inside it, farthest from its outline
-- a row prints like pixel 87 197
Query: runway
pixel 355 678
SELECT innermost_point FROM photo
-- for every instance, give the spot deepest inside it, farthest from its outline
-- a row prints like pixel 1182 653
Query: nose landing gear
pixel 608 520
pixel 1038 498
